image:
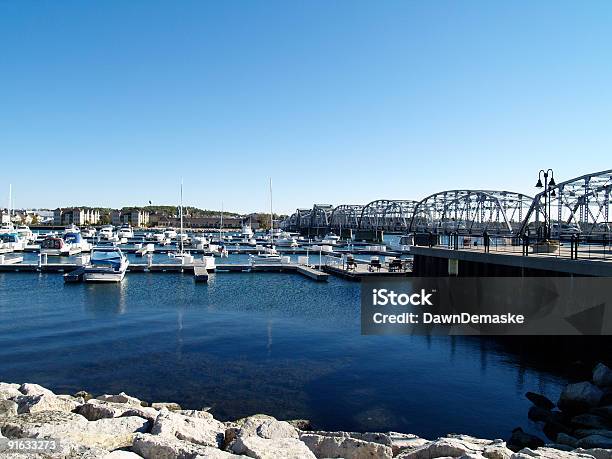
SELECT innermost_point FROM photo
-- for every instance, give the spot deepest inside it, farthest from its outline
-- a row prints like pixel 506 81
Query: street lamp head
pixel 552 182
pixel 539 184
pixel 553 194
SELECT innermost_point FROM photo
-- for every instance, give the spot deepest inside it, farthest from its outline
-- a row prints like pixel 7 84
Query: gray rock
pixel 118 454
pixel 44 402
pixel 548 453
pixel 122 397
pixel 279 448
pixel 602 375
pixel 34 389
pixel 580 397
pixel 344 446
pixel 8 391
pixel 84 395
pixel 64 450
pixel 301 424
pixel 405 442
pixel 566 439
pixel 597 453
pixel 97 409
pixel 171 406
pixel 581 433
pixel 8 408
pixel 195 413
pixel 595 441
pixel 105 433
pixel 591 421
pixel 142 411
pixel 540 400
pixel 457 446
pixel 160 447
pixel 268 428
pixel 202 431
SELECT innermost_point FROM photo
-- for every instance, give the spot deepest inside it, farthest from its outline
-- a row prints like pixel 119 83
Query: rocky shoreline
pixel 124 427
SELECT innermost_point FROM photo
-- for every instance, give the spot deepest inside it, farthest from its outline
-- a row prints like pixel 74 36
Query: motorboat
pixel 107 232
pixel 330 239
pixel 88 232
pixel 564 230
pixel 286 240
pixel 125 231
pixel 12 241
pixel 107 264
pixel 246 232
pixel 170 233
pixel 77 242
pixel 269 256
pixel 72 228
pixel 200 242
pixel 7 227
pixel 54 246
pixel 250 241
pixel 26 234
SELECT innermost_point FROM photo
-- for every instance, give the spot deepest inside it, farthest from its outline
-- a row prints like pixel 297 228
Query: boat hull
pixel 103 276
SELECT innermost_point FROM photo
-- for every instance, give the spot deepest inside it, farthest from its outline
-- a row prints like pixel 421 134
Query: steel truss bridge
pixel 582 202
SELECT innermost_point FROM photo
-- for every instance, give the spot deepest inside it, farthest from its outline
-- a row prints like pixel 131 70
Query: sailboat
pixel 181 254
pixel 269 255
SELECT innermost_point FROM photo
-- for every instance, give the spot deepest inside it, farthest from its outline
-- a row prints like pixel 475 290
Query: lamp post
pixel 547 199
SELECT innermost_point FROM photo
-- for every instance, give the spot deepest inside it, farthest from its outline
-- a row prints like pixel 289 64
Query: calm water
pixel 250 343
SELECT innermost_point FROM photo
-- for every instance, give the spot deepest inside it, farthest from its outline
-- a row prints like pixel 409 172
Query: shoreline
pixel 120 426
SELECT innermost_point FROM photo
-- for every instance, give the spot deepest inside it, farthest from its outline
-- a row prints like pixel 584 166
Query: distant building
pixel 133 217
pixel 76 216
pixel 194 222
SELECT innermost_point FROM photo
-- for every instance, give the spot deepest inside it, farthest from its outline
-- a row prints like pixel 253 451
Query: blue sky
pixel 111 102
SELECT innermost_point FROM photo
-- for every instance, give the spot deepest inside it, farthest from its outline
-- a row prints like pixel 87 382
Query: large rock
pixel 604 412
pixel 161 447
pixel 597 453
pixel 591 421
pixel 34 389
pixel 580 397
pixel 64 449
pixel 549 453
pixel 520 439
pixel 122 397
pixel 195 413
pixel 269 428
pixel 263 448
pixel 8 408
pixel 405 442
pixel 105 433
pixel 171 406
pixel 118 454
pixel 344 446
pixel 459 445
pixel 540 400
pixel 44 402
pixel 581 433
pixel 602 375
pixel 8 391
pixel 595 441
pixel 202 431
pixel 97 409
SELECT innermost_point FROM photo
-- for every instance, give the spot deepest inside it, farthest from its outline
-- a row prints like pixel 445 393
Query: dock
pixel 200 274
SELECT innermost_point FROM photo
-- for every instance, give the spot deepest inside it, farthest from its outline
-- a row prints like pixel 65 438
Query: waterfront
pixel 245 344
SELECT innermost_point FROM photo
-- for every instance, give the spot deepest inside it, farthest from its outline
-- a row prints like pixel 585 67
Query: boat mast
pixel 181 213
pixel 271 215
pixel 10 210
pixel 221 224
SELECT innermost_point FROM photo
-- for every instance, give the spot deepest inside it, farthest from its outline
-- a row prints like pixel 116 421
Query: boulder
pixel 301 424
pixel 520 439
pixel 84 395
pixel 202 431
pixel 122 397
pixel 405 442
pixel 540 400
pixel 195 413
pixel 142 411
pixel 581 433
pixel 566 439
pixel 344 446
pixel 63 450
pixel 97 409
pixel 8 391
pixel 105 433
pixel 34 389
pixel 457 446
pixel 597 453
pixel 537 413
pixel 602 375
pixel 161 447
pixel 278 448
pixel 268 428
pixel 548 453
pixel 606 398
pixel 604 412
pixel 595 441
pixel 171 406
pixel 44 402
pixel 579 397
pixel 119 454
pixel 8 408
pixel 591 421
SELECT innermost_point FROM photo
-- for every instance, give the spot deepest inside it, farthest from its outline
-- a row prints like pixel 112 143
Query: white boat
pixel 7 227
pixel 72 228
pixel 286 240
pixel 54 247
pixel 26 234
pixel 88 232
pixel 107 264
pixel 76 242
pixel 200 242
pixel 250 241
pixel 269 256
pixel 107 232
pixel 170 233
pixel 12 241
pixel 330 239
pixel 246 232
pixel 125 231
pixel 564 230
